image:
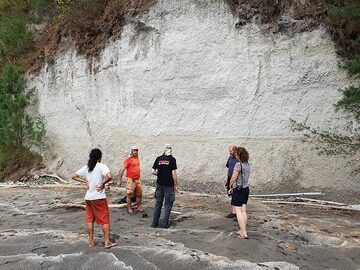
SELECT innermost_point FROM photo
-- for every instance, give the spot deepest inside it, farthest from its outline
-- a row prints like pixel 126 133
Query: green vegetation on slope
pixel 18 129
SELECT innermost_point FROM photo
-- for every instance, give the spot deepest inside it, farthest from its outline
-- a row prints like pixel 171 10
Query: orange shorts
pixel 97 210
pixel 133 186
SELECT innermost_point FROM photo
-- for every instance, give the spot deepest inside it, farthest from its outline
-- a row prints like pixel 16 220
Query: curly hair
pixel 242 155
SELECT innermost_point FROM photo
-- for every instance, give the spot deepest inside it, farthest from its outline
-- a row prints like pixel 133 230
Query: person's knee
pixel 170 201
pixel 170 198
pixel 159 200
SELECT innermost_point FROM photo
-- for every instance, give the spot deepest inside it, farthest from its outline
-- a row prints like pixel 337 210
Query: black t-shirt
pixel 164 166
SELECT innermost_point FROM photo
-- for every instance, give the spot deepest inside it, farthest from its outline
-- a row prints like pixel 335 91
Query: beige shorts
pixel 133 187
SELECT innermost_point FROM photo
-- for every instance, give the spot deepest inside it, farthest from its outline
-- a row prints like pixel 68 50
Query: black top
pixel 164 166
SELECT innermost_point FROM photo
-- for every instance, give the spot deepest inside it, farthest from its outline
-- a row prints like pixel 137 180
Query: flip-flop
pixel 111 245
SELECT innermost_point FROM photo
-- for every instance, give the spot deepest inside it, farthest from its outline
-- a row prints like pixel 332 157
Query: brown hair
pixel 242 155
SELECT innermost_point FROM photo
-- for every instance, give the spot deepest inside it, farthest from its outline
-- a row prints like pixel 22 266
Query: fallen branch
pixel 54 176
pixel 13 186
pixel 349 208
pixel 321 201
pixel 63 186
pixel 81 206
pixel 51 186
pixel 122 205
pixel 287 194
pixel 70 205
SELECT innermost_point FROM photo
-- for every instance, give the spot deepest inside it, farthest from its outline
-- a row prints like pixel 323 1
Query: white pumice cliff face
pixel 183 74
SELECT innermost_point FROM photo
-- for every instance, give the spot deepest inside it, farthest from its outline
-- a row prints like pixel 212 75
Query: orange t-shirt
pixel 132 166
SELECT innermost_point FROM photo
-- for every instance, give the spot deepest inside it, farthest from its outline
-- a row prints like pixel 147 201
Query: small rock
pixel 287 246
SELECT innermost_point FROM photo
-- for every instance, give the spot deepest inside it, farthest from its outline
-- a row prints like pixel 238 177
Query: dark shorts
pixel 240 197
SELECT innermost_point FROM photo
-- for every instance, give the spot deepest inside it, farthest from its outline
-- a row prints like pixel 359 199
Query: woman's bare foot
pixel 139 210
pixel 241 235
pixel 110 245
pixel 92 243
pixel 130 211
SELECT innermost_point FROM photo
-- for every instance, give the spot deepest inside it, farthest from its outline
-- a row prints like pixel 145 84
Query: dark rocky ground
pixel 36 234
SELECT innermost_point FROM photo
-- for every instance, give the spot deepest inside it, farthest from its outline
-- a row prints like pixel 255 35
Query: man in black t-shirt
pixel 166 186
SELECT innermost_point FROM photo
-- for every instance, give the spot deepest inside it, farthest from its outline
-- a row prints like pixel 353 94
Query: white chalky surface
pixel 183 74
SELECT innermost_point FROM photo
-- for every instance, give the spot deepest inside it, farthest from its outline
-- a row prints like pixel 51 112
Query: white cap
pixel 134 147
pixel 167 146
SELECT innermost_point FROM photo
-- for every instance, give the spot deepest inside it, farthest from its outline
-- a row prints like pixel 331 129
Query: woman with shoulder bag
pixel 240 189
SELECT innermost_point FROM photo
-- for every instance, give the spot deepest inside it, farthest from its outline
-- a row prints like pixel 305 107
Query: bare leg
pixel 241 221
pixel 106 230
pixel 243 211
pixel 233 210
pixel 90 229
pixel 138 203
pixel 129 203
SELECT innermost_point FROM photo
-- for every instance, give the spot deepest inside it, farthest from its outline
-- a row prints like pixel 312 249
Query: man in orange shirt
pixel 133 183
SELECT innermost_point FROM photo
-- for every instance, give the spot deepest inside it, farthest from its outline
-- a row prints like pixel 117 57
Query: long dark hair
pixel 94 156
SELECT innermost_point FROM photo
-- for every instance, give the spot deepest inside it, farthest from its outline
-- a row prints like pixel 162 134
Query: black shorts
pixel 240 197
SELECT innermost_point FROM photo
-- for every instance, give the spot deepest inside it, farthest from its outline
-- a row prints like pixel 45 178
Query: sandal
pixel 110 245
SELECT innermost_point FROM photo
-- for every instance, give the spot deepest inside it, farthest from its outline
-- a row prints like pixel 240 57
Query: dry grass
pixel 90 25
pixel 17 163
pixel 311 13
pixel 87 25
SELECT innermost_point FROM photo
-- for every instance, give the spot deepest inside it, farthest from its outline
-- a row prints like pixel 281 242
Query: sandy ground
pixel 36 234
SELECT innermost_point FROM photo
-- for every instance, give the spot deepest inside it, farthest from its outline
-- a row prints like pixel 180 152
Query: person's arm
pixel 155 167
pixel 233 180
pixel 176 184
pixel 227 166
pixel 107 179
pixel 121 172
pixel 77 178
pixel 226 179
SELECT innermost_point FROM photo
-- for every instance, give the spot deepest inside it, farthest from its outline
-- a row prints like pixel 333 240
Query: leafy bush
pixel 15 125
pixel 13 37
pixel 347 12
pixel 350 101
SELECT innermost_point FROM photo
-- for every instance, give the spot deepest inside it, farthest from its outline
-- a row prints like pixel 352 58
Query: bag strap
pixel 242 175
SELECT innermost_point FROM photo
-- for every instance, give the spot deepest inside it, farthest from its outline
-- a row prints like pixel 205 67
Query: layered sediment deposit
pixel 182 73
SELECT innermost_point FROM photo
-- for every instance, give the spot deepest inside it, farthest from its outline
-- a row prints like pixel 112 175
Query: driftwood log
pixel 286 194
pixel 320 201
pixel 82 206
pixel 54 176
pixel 347 208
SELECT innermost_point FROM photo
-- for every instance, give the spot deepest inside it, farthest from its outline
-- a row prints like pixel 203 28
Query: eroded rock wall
pixel 183 74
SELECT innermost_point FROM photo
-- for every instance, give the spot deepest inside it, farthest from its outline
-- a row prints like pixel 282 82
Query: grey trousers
pixel 169 195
